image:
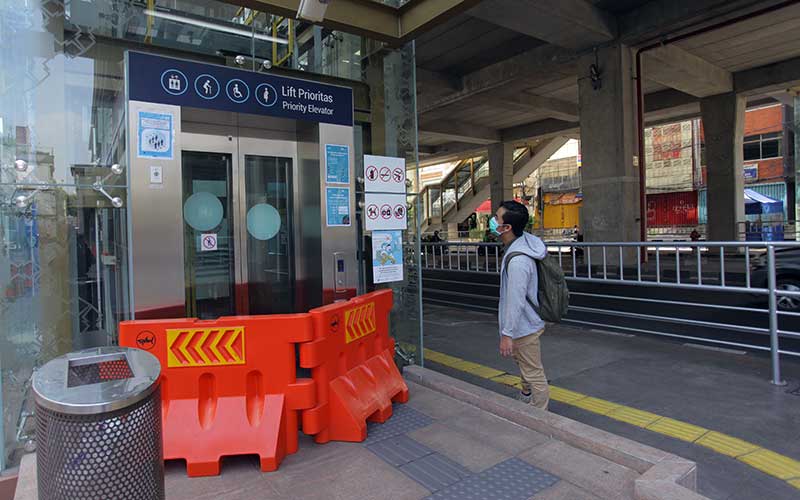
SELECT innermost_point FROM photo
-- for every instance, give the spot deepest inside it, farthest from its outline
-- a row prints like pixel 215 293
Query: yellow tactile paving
pixel 767 461
pixel 507 379
pixel 565 395
pixel 726 445
pixel 677 429
pixel 596 405
pixel 633 416
pixel 483 371
pixel 773 464
pixel 444 359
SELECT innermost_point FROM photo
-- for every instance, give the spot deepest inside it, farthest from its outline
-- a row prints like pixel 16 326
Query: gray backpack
pixel 553 292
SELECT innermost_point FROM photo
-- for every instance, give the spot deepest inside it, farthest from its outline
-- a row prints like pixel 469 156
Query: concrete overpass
pixel 508 71
pixel 499 73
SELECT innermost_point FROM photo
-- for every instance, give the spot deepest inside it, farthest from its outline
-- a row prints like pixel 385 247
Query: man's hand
pixel 506 345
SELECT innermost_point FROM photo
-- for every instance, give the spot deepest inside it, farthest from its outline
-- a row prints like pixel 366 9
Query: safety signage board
pixel 359 322
pixel 337 164
pixel 387 256
pixel 205 347
pixel 166 80
pixel 337 206
pixel 385 211
pixel 155 135
pixel 208 242
pixel 384 174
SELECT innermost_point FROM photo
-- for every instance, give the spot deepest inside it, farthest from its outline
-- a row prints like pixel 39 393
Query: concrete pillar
pixel 723 126
pixel 610 174
pixel 452 231
pixel 501 173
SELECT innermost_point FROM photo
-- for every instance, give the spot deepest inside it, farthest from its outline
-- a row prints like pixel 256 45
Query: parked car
pixel 787 274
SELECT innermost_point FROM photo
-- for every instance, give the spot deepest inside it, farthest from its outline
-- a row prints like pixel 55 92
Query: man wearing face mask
pixel 520 324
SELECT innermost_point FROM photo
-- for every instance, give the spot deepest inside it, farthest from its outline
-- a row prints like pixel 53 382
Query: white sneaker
pixel 525 398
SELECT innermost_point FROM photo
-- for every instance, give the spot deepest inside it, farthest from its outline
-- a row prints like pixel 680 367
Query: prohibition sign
pixel 372 211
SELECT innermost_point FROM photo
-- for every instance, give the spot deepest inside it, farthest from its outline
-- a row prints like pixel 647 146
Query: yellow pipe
pixel 148 36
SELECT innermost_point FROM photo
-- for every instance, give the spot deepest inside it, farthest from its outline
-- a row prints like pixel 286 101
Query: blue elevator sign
pixel 178 82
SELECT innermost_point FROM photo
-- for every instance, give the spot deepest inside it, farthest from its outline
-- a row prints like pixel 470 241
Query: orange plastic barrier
pixel 352 364
pixel 229 386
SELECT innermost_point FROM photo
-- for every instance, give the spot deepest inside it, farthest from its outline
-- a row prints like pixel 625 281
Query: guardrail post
pixel 773 318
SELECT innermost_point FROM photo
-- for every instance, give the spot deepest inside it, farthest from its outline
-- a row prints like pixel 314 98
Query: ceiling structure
pixel 507 70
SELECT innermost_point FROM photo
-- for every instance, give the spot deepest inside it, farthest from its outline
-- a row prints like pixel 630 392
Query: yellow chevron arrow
pixel 218 334
pixel 199 347
pixel 229 345
pixel 185 351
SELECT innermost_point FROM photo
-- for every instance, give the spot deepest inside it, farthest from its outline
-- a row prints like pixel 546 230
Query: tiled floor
pixel 433 447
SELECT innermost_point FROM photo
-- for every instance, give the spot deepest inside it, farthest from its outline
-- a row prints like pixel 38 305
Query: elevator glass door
pixel 238 243
pixel 268 266
pixel 208 234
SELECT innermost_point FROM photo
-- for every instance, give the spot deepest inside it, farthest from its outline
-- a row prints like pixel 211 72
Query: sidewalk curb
pixel 664 476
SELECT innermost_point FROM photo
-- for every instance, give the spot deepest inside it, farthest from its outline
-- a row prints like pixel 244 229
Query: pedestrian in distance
pixel 521 326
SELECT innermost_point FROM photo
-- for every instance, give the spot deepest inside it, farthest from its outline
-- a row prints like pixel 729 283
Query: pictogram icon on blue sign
pixel 266 95
pixel 237 91
pixel 206 86
pixel 174 82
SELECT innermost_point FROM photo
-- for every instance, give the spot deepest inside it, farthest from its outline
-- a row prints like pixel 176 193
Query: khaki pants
pixel 528 356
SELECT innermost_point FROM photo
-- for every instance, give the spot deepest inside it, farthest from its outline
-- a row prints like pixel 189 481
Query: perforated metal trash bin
pixel 98 426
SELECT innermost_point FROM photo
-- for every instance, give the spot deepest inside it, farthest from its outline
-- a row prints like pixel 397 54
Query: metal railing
pixel 747 269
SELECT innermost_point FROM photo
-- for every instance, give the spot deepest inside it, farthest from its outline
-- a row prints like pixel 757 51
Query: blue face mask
pixel 493 225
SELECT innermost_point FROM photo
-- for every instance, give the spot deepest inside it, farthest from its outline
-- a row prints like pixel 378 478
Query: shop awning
pixel 566 199
pixel 756 204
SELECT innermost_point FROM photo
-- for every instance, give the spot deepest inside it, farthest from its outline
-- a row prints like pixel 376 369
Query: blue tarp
pixel 768 229
pixel 756 204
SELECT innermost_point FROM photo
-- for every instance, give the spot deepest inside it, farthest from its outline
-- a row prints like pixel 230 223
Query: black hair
pixel 516 215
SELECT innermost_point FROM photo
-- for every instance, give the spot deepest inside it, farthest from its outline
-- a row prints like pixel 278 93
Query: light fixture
pixel 240 60
pixel 21 201
pixel 312 10
pixel 266 64
pixel 212 26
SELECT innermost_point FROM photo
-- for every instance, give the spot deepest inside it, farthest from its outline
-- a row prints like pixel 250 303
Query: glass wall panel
pixel 64 277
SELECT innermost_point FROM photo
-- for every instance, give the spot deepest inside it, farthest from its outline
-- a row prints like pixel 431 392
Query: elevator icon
pixel 174 82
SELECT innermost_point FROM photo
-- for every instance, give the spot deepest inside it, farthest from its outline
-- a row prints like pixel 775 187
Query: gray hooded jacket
pixel 516 316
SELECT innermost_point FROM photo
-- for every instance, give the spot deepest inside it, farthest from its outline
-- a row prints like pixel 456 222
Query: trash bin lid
pixel 96 381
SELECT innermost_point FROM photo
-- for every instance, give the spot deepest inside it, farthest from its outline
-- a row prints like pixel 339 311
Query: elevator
pixel 229 200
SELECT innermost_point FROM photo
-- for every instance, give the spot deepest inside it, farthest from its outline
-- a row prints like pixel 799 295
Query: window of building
pixel 762 147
